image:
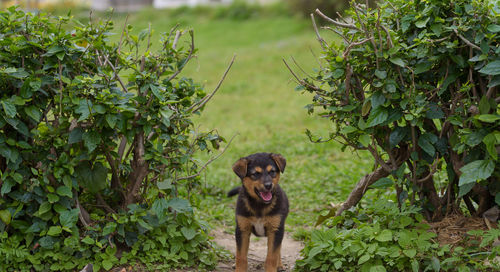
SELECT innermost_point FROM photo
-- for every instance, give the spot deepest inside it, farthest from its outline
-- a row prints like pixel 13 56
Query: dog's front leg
pixel 242 243
pixel 274 239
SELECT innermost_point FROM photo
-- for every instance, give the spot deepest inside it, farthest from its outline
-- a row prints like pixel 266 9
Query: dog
pixel 261 208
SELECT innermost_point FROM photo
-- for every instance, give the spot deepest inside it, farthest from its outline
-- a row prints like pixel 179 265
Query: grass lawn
pixel 258 102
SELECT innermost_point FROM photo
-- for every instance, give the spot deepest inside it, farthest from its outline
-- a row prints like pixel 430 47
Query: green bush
pixel 96 147
pixel 383 237
pixel 416 84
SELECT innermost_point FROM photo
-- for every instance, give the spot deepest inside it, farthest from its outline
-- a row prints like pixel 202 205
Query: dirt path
pixel 290 251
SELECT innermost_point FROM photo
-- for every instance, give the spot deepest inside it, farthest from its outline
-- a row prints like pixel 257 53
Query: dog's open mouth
pixel 266 196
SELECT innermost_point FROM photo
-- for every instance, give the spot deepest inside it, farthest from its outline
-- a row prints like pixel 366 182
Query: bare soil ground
pixel 290 251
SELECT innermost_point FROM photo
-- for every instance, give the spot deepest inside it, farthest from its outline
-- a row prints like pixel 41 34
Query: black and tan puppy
pixel 261 208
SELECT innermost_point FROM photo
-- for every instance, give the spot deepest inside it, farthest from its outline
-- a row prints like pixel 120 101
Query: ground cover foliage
pixel 96 147
pixel 416 84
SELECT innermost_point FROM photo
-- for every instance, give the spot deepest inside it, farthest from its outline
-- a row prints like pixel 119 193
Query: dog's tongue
pixel 266 195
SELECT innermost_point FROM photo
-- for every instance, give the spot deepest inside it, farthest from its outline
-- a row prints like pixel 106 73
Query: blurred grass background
pixel 257 101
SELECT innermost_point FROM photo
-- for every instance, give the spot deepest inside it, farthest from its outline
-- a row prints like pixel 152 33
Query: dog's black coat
pixel 252 206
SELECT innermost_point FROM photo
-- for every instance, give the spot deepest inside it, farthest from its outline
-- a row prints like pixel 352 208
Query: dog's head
pixel 260 174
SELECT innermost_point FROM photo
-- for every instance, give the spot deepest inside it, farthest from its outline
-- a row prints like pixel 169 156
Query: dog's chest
pixel 258 226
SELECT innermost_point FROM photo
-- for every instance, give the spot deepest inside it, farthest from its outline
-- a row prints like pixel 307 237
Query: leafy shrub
pixel 416 84
pixel 96 147
pixel 382 237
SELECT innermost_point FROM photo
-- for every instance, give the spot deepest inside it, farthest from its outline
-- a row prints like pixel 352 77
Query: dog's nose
pixel 268 186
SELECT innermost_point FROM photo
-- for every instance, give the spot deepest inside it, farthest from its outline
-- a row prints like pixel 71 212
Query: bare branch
pixel 337 23
pixel 321 40
pixel 302 82
pixel 178 34
pixel 116 73
pixel 469 43
pixel 379 159
pixel 203 101
pixel 208 162
pixel 190 54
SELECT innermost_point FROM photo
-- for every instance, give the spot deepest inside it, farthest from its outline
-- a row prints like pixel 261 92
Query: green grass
pixel 257 101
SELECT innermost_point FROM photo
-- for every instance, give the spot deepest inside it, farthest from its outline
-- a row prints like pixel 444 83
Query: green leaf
pixel 490 141
pixel 156 92
pixel 465 188
pixel 380 74
pixel 45 207
pixel 497 198
pixel 107 264
pixel 166 113
pixel 68 218
pixel 377 99
pixel 397 61
pixel 64 191
pixel 83 109
pixel 145 225
pixel 5 216
pixel 384 236
pixel 9 108
pixel 33 112
pixel 415 267
pixel 382 183
pixel 47 242
pixel 487 118
pixel 54 231
pixel 367 105
pixel 348 129
pixel 52 198
pixel 410 252
pixel 435 264
pixel 492 68
pixel 422 22
pixel 476 171
pixel 159 206
pixel 484 105
pixel 426 142
pixel 377 116
pixel 363 259
pixel 87 240
pixel 377 268
pixel 494 28
pixel 91 139
pixel 75 135
pixel 422 67
pixel 180 205
pixel 188 233
pixel 109 228
pixel 93 178
pixel 365 140
pixel 397 135
pixel 111 120
pixel 434 112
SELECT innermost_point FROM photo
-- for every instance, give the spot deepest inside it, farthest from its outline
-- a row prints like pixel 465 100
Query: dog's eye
pixel 272 172
pixel 255 175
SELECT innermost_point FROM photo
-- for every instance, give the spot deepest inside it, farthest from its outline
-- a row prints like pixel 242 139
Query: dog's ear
pixel 240 167
pixel 280 161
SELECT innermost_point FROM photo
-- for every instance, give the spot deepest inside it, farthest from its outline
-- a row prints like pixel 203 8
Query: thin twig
pixel 116 73
pixel 208 162
pixel 300 81
pixel 469 43
pixel 121 37
pixel 203 101
pixel 337 23
pixel 187 59
pixel 380 161
pixel 176 39
pixel 321 40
